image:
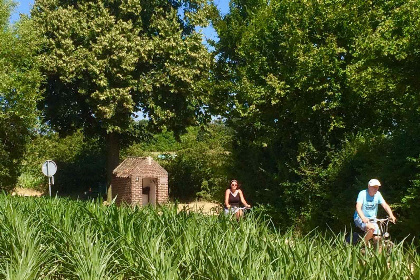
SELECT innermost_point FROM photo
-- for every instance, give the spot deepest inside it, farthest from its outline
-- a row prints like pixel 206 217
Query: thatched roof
pixel 135 164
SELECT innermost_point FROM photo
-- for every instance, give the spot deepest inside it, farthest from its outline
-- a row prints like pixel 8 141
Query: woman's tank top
pixel 234 200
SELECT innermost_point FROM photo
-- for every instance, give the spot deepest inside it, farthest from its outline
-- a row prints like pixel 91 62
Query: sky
pixel 24 7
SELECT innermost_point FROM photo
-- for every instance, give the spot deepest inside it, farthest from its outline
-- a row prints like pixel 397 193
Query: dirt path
pixel 26 192
pixel 201 206
pixel 204 207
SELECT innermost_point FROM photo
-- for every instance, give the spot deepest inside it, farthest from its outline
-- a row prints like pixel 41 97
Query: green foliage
pixel 296 80
pixel 80 240
pixel 19 83
pixel 333 190
pixel 198 165
pixel 162 142
pixel 80 163
pixel 5 10
pixel 104 62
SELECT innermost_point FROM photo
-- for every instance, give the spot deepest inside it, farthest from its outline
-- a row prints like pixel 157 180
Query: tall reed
pixel 42 238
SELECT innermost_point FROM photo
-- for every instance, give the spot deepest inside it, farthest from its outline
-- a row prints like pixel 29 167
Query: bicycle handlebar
pixel 239 208
pixel 376 220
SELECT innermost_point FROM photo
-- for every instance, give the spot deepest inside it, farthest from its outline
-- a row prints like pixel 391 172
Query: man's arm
pixel 389 211
pixel 360 212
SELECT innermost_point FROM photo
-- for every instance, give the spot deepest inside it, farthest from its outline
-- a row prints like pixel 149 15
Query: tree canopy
pixel 19 83
pixel 107 61
pixel 299 80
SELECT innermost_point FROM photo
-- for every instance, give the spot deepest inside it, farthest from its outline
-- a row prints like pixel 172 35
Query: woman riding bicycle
pixel 367 208
pixel 233 197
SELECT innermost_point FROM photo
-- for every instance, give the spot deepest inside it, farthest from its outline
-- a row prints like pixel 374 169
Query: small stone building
pixel 141 181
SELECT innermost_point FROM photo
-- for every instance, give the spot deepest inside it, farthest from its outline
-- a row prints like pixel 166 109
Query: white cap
pixel 374 182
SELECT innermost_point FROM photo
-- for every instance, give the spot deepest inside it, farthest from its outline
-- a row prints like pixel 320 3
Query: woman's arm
pixel 227 198
pixel 243 199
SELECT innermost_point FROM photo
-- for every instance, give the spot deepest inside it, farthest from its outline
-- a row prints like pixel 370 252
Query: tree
pixel 300 78
pixel 387 71
pixel 107 61
pixel 19 83
pixel 385 76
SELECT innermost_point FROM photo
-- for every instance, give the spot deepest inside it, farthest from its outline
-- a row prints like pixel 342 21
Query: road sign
pixel 49 168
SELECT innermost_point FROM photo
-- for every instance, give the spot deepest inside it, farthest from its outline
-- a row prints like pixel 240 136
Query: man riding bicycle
pixel 367 209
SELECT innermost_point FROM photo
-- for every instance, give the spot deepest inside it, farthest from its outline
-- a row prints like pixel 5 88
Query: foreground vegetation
pixel 64 239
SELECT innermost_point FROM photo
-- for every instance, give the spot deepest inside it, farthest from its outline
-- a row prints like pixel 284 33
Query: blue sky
pixel 24 7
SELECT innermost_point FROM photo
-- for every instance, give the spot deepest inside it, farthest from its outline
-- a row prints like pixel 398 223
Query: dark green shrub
pixel 80 163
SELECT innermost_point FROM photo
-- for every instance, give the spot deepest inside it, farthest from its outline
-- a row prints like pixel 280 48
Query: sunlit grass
pixel 43 238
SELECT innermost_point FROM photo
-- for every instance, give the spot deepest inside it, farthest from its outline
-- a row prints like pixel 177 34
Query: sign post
pixel 49 168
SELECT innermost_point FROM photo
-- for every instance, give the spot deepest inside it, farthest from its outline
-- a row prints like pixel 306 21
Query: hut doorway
pixel 149 191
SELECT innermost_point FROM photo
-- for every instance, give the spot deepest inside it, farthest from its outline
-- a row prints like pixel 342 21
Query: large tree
pixel 19 83
pixel 106 61
pixel 388 71
pixel 297 79
pixel 282 66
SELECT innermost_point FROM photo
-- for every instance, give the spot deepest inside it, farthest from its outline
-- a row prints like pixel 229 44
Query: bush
pixel 319 189
pixel 332 191
pixel 80 163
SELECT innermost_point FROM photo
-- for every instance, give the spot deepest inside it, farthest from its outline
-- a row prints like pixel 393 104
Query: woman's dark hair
pixel 234 180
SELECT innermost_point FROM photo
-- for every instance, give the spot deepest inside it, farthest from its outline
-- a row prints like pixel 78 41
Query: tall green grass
pixel 43 238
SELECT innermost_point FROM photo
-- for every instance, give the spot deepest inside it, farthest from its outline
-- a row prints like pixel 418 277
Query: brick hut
pixel 141 181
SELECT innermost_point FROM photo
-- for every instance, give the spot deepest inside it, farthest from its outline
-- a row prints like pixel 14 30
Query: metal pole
pixel 49 178
pixel 49 185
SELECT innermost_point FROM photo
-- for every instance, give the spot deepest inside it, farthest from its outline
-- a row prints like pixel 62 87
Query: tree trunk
pixel 113 159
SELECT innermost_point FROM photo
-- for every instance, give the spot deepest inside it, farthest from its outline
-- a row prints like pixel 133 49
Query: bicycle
pixel 383 235
pixel 237 211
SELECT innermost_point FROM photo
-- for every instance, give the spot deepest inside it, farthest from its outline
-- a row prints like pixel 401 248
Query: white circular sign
pixel 49 168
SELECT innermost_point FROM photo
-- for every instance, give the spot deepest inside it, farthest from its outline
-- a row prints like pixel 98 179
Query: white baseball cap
pixel 374 182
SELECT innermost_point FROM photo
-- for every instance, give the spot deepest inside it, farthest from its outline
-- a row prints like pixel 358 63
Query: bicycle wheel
pixel 388 245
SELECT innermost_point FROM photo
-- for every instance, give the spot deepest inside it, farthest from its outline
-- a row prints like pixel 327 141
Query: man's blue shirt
pixel 369 203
